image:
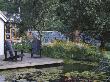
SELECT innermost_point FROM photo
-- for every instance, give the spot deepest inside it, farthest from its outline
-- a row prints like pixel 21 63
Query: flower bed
pixel 70 50
pixel 66 50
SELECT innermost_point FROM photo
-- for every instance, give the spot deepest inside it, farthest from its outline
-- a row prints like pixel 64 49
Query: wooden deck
pixel 28 62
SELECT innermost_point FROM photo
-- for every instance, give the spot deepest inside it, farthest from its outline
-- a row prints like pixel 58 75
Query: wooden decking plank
pixel 27 62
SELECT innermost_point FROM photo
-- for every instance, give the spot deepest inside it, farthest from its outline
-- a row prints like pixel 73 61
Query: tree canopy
pixel 90 16
pixel 41 14
pixel 10 6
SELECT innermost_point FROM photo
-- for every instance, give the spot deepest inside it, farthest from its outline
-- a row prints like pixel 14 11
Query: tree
pixel 9 6
pixel 41 15
pixel 90 15
pixel 2 5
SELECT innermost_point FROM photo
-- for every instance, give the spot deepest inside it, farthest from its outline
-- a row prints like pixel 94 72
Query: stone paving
pixel 28 61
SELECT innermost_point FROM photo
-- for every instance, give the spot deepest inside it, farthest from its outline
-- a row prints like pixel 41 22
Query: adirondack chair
pixel 36 47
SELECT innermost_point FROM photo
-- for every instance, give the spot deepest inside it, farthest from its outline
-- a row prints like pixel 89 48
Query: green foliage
pixel 87 75
pixel 9 6
pixel 40 15
pixel 2 5
pixel 22 46
pixel 107 46
pixel 72 50
pixel 88 15
pixel 65 50
pixel 62 15
pixel 91 16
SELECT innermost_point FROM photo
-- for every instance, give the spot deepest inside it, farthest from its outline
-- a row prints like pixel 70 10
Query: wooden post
pixel 77 36
pixel 15 55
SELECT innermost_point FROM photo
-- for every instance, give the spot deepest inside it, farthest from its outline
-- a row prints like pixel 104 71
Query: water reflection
pixel 77 67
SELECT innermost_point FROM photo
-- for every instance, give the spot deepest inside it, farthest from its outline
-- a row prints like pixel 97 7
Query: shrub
pixel 107 46
pixel 22 46
pixel 70 50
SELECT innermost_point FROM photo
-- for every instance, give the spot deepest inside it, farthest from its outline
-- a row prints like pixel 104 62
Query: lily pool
pixel 44 74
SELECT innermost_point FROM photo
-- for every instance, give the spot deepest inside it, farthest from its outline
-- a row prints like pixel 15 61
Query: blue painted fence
pixel 90 40
pixel 49 36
